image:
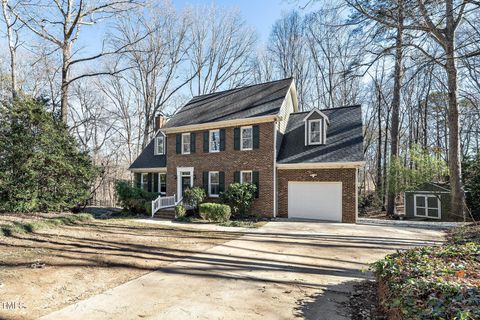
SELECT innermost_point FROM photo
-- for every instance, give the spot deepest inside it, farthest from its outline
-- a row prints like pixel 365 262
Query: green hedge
pixel 215 212
pixel 134 199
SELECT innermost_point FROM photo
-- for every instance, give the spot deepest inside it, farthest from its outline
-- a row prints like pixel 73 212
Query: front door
pixel 186 183
pixel 184 179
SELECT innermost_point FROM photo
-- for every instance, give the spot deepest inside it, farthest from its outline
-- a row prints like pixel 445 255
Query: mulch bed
pixel 363 303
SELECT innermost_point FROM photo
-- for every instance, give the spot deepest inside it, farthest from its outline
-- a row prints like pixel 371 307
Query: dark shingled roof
pixel 147 159
pixel 246 102
pixel 344 138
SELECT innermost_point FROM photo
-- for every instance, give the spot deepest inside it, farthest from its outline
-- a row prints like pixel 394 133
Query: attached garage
pixel 315 200
pixel 328 194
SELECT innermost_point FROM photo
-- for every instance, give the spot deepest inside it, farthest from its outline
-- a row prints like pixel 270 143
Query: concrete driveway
pixel 282 270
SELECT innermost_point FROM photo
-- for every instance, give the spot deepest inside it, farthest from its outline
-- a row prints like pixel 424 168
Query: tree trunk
pixel 457 193
pixel 397 86
pixel 379 148
pixel 66 52
pixel 454 159
pixel 12 48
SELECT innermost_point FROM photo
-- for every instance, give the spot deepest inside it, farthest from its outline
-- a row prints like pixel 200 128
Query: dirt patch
pixel 52 268
pixel 363 303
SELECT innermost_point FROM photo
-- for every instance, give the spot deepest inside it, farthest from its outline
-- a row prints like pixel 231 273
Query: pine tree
pixel 41 166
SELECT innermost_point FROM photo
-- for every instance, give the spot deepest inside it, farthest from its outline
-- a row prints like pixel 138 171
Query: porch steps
pixel 168 213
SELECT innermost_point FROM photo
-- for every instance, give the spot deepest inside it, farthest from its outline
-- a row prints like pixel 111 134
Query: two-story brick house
pixel 304 163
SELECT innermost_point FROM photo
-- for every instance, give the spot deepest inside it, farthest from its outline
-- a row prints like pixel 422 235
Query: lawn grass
pixel 230 223
pixel 33 226
pixel 435 282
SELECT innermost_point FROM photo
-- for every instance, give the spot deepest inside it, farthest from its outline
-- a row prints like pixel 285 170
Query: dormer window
pixel 316 123
pixel 315 131
pixel 159 145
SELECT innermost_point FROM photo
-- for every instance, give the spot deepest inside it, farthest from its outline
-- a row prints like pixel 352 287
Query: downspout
pixel 275 129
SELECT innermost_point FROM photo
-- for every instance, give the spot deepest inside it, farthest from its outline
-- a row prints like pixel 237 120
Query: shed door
pixel 427 206
pixel 315 200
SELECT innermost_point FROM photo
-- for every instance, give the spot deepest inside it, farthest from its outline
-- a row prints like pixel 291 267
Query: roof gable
pixel 246 102
pixel 148 158
pixel 315 114
pixel 344 138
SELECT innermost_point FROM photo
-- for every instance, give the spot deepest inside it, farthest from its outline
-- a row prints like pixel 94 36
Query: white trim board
pixel 148 170
pixel 320 165
pixel 221 124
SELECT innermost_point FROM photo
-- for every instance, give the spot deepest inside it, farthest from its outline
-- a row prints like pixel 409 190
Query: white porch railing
pixel 163 202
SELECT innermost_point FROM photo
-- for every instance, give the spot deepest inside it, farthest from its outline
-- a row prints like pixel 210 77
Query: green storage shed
pixel 429 201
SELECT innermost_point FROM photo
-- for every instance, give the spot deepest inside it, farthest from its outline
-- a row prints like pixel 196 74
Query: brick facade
pixel 346 176
pixel 228 161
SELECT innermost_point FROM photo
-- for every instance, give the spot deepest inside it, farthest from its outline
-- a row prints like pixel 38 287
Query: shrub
pixel 194 196
pixel 133 199
pixel 439 282
pixel 367 202
pixel 180 211
pixel 41 165
pixel 215 212
pixel 239 196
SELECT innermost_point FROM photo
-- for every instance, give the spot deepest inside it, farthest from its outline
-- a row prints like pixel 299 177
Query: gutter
pixel 320 165
pixel 141 170
pixel 219 124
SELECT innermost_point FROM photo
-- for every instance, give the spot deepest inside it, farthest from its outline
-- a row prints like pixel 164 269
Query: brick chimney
pixel 160 121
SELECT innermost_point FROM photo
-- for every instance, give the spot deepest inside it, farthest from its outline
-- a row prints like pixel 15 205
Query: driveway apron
pixel 283 270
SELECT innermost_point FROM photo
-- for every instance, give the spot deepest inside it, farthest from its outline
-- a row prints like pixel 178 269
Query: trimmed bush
pixel 194 196
pixel 215 212
pixel 134 199
pixel 239 196
pixel 180 211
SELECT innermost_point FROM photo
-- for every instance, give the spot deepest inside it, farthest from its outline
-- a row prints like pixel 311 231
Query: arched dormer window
pixel 316 123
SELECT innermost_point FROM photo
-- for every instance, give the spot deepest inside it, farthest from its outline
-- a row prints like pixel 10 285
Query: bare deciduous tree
pixel 60 22
pixel 222 47
pixel 12 29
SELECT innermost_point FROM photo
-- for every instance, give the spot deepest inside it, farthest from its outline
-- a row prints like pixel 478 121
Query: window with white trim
pixel 246 138
pixel 246 176
pixel 427 206
pixel 213 183
pixel 159 145
pixel 185 143
pixel 162 183
pixel 144 181
pixel 214 140
pixel 315 134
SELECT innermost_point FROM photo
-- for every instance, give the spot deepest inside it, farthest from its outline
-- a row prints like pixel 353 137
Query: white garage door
pixel 315 200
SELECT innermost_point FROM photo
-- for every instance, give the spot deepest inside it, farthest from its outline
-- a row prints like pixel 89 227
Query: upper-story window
pixel 159 144
pixel 186 143
pixel 246 138
pixel 214 140
pixel 315 131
